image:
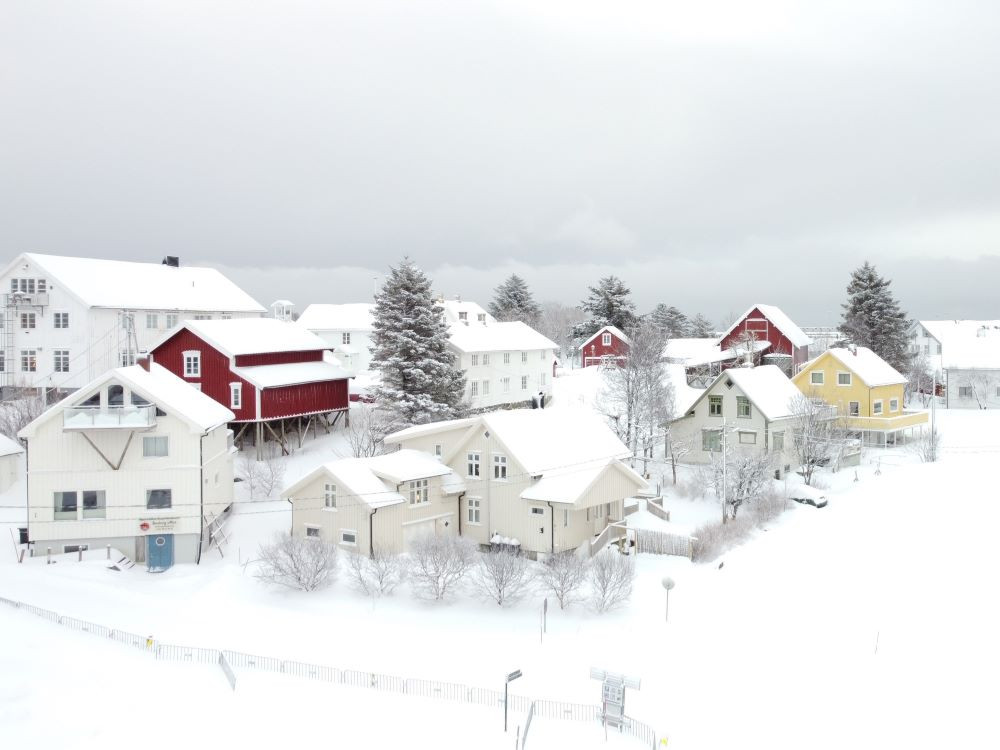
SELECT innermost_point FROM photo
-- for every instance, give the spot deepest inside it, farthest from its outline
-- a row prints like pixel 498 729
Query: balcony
pixel 888 422
pixel 129 417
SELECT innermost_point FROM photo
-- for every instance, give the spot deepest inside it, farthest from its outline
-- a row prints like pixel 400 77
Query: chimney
pixel 143 361
pixel 172 260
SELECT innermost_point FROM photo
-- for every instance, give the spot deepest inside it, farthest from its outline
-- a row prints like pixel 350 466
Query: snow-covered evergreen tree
pixel 609 303
pixel 420 382
pixel 669 321
pixel 512 300
pixel 873 318
pixel 701 327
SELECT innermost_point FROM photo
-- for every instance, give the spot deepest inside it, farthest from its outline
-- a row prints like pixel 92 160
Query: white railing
pixel 105 417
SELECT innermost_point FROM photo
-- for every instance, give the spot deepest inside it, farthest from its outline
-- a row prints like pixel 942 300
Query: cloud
pixel 589 231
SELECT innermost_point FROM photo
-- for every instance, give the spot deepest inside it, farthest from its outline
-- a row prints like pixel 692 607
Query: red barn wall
pixel 596 349
pixel 766 331
pixel 306 398
pixel 278 358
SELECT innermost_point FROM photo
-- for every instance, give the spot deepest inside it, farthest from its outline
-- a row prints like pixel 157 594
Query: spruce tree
pixel 701 327
pixel 609 303
pixel 669 321
pixel 873 318
pixel 420 382
pixel 512 300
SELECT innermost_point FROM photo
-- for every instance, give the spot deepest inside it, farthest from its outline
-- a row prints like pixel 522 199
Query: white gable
pixel 349 317
pixel 613 330
pixel 254 336
pixel 966 344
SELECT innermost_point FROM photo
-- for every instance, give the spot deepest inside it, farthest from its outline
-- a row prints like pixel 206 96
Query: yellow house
pixel 866 390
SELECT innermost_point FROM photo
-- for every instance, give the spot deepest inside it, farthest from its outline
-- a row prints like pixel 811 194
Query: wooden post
pixel 79 553
pixel 48 556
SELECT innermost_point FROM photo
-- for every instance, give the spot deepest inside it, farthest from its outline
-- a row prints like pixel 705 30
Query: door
pixel 159 552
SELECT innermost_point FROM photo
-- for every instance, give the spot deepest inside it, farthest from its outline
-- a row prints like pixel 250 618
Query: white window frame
pixel 778 440
pixel 707 445
pixel 70 548
pixel 524 382
pixel 438 450
pixel 747 437
pixel 29 357
pixel 474 360
pixel 537 511
pixel 330 495
pixel 60 320
pixel 28 320
pixel 419 493
pixel 473 388
pixel 741 402
pixel 474 507
pixel 856 410
pixel 486 388
pixel 817 378
pixel 236 395
pixel 172 320
pixel 505 382
pixel 965 391
pixel 345 542
pixel 524 357
pixel 541 378
pixel 157 489
pixel 312 531
pixel 850 379
pixel 345 337
pixel 486 360
pixel 60 360
pixel 877 407
pixel 605 339
pixel 151 446
pixel 192 363
pixel 473 464
pixel 500 468
pixel 893 405
pixel 152 321
pixel 506 358
pixel 715 401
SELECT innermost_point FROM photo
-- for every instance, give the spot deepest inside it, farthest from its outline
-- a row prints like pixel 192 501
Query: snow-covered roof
pixel 694 352
pixel 407 465
pixel 867 365
pixel 143 286
pixel 613 330
pixel 292 373
pixel 347 317
pixel 497 337
pixel 453 308
pixel 9 447
pixel 966 344
pixel 779 320
pixel 253 336
pixel 767 387
pixel 571 484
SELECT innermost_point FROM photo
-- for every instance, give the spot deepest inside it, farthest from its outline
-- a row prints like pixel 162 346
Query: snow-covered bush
pixel 927 447
pixel 502 576
pixel 262 478
pixel 439 563
pixel 563 575
pixel 377 575
pixel 611 577
pixel 18 412
pixel 712 539
pixel 297 562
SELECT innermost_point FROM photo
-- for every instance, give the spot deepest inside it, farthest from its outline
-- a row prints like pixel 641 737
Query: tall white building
pixel 347 329
pixel 67 320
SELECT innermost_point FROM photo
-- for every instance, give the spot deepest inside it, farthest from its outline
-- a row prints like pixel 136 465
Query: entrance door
pixel 159 552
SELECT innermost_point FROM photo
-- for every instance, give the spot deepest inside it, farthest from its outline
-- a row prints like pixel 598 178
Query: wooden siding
pixel 595 350
pixel 765 330
pixel 278 358
pixel 306 398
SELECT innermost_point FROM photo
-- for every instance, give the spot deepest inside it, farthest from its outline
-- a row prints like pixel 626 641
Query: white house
pixel 10 462
pixel 755 407
pixel 67 320
pixel 964 356
pixel 546 480
pixel 137 459
pixel 379 504
pixel 347 329
pixel 504 363
pixel 459 310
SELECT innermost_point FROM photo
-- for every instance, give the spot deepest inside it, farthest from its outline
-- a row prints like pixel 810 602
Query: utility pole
pixel 724 462
pixel 933 450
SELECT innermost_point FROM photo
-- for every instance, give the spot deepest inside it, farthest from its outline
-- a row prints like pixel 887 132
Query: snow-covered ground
pixel 869 623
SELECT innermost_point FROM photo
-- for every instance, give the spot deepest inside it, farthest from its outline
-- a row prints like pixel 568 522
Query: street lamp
pixel 510 678
pixel 668 583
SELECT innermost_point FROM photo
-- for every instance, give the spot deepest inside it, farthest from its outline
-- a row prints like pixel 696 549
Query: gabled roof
pixel 694 352
pixel 864 363
pixel 159 386
pixel 780 321
pixel 571 485
pixel 9 447
pixel 251 336
pixel 142 286
pixel 290 373
pixel 472 310
pixel 767 387
pixel 497 337
pixel 613 330
pixel 348 317
pixel 966 344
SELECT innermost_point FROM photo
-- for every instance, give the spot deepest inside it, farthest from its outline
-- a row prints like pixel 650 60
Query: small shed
pixel 10 462
pixel 609 345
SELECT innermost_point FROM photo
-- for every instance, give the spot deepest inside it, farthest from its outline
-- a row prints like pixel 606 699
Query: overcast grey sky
pixel 712 154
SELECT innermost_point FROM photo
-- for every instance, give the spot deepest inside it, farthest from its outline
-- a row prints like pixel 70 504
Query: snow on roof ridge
pixel 492 337
pixel 767 387
pixel 238 336
pixel 781 321
pixel 353 316
pixel 610 329
pixel 867 365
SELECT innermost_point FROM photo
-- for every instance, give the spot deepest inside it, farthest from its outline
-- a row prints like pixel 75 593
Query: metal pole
pixel 723 470
pixel 666 609
pixel 505 706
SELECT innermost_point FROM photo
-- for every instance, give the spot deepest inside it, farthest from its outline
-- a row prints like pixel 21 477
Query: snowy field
pixel 869 623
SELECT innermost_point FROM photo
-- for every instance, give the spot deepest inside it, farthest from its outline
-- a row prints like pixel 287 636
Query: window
pixel 437 450
pixel 236 395
pixel 75 547
pixel 225 316
pixel 418 492
pixel 312 531
pixel 816 378
pixel 155 447
pixel 60 360
pixel 505 383
pixel 964 391
pixel 348 536
pixel 127 359
pixel 463 316
pixel 475 360
pixel 94 505
pixel 29 362
pixel 345 338
pixel 27 320
pixel 743 407
pixel 748 438
pixel 486 388
pixel 606 339
pixel 473 388
pixel 3 363
pixel 778 441
pixel 524 357
pixel 715 406
pixel 843 378
pixel 486 359
pixel 65 506
pixel 473 505
pixel 877 407
pixel 853 408
pixel 894 404
pixel 171 320
pixel 537 511
pixel 565 518
pixel 524 382
pixel 473 464
pixel 481 317
pixel 156 499
pixel 192 364
pixel 506 358
pixel 330 495
pixel 128 321
pixel 152 320
pixel 202 317
pixel 541 379
pixel 60 320
pixel 500 467
pixel 711 440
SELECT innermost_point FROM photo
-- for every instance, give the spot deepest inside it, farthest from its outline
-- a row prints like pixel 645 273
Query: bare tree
pixel 817 434
pixel 611 577
pixel 563 574
pixel 439 563
pixel 744 347
pixel 367 430
pixel 298 562
pixel 557 321
pixel 739 477
pixel 927 447
pixel 17 413
pixel 919 378
pixel 676 446
pixel 502 576
pixel 261 477
pixel 377 575
pixel 983 384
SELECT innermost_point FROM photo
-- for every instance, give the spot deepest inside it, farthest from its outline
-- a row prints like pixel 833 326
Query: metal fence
pixel 230 661
pixel 660 543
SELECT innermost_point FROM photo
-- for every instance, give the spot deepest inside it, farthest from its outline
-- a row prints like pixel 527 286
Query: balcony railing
pixel 129 417
pixel 889 422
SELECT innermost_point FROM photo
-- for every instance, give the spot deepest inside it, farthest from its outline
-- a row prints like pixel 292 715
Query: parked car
pixel 803 493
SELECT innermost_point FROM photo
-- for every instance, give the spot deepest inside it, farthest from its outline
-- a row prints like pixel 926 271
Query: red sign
pixel 144 525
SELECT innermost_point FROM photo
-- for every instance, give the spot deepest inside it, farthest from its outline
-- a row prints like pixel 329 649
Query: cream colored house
pixel 378 504
pixel 546 480
pixel 755 407
pixel 137 459
pixel 10 462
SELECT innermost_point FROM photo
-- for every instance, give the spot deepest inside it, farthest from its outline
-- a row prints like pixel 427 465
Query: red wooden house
pixel 781 342
pixel 608 346
pixel 273 375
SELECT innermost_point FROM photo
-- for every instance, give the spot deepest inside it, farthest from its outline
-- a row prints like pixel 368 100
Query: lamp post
pixel 668 583
pixel 510 678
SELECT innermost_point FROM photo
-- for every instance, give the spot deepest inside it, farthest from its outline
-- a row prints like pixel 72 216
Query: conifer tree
pixel 420 382
pixel 669 321
pixel 873 318
pixel 512 300
pixel 701 327
pixel 609 303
